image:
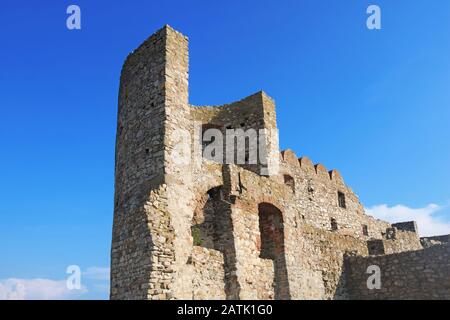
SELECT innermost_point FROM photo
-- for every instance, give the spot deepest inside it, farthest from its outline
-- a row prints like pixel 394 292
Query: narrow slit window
pixel 341 200
pixel 334 225
pixel 365 230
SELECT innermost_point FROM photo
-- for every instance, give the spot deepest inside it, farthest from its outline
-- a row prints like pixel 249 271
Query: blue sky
pixel 375 104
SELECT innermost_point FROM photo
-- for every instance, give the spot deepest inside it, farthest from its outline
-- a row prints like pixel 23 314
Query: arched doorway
pixel 205 220
pixel 212 228
pixel 271 230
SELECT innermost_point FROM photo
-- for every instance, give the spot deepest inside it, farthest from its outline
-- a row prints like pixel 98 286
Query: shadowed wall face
pixel 212 230
pixel 272 246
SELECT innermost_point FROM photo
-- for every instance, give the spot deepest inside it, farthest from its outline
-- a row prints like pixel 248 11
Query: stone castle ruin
pixel 280 227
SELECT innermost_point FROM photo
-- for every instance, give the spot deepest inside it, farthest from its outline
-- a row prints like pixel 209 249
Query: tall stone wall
pixel 139 175
pixel 421 274
pixel 149 232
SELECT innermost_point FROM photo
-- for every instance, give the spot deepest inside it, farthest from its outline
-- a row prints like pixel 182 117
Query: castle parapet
pixel 410 226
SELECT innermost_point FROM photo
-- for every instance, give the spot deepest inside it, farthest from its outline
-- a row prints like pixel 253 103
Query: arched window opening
pixel 334 224
pixel 212 228
pixel 204 221
pixel 272 246
pixel 341 200
pixel 290 182
pixel 365 230
pixel 271 230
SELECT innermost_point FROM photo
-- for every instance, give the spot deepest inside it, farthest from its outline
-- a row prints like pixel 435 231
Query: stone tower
pixel 188 225
pixel 153 103
pixel 155 151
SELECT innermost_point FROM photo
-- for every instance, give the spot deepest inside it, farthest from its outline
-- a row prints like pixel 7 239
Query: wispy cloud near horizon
pixel 37 289
pixel 95 282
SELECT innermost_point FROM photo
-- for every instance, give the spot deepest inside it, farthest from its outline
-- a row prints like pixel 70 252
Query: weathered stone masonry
pixel 200 229
pixel 422 274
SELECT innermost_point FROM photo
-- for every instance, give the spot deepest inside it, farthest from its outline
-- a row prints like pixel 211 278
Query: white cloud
pixel 427 221
pixel 96 273
pixel 97 279
pixel 37 289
